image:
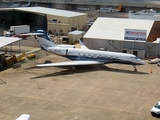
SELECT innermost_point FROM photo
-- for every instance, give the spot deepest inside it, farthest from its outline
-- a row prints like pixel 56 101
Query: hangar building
pixel 59 21
pixel 109 34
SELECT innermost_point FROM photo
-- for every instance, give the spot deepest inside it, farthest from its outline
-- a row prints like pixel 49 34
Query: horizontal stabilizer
pixel 27 34
pixel 70 63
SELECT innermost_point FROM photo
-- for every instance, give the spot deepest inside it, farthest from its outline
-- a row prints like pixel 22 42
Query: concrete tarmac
pixel 100 92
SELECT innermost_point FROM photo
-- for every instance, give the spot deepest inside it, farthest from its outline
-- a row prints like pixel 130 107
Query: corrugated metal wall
pixel 143 49
pixel 66 24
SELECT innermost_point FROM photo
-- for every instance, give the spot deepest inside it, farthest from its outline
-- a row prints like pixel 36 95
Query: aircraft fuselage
pixel 96 55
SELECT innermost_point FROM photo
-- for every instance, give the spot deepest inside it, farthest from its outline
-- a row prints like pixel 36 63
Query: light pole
pixel 59 32
pixel 55 22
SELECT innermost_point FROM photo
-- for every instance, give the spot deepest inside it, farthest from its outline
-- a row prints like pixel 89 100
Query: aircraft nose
pixel 142 62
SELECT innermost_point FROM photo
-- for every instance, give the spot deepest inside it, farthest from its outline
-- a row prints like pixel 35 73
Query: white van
pixel 155 111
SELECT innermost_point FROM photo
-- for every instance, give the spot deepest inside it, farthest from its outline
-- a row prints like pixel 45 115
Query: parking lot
pixel 109 92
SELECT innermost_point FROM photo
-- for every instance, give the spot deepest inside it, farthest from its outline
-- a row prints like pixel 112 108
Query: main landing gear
pixel 135 69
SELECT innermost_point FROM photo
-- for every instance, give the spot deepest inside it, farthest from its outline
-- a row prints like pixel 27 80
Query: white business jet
pixel 84 56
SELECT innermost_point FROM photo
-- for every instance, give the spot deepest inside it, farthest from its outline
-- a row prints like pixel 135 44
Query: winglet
pixel 82 45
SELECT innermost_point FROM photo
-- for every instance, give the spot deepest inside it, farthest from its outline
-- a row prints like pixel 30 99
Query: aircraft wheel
pixel 47 61
pixel 135 70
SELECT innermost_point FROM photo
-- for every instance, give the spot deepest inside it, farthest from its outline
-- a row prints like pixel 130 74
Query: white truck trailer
pixel 15 30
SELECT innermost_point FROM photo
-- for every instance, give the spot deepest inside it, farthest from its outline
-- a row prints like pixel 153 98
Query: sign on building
pixel 134 34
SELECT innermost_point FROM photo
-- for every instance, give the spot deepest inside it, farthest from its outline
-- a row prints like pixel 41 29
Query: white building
pixel 109 34
pixel 145 15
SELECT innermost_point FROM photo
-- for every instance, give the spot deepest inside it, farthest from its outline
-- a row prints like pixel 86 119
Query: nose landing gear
pixel 135 69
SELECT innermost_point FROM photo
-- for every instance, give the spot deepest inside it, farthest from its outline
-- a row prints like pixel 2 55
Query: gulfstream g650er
pixel 84 56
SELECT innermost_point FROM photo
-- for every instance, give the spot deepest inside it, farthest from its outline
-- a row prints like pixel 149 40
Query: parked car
pixel 90 22
pixel 158 64
pixel 155 111
pixel 154 61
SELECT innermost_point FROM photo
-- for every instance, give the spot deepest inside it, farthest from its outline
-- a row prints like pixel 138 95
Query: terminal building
pixel 87 4
pixel 145 15
pixel 92 4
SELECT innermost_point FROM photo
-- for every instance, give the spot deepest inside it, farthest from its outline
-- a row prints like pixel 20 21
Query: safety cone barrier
pixel 151 71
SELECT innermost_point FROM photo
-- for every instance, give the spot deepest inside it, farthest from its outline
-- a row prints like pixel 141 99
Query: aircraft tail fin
pixel 120 7
pixel 44 39
pixel 82 44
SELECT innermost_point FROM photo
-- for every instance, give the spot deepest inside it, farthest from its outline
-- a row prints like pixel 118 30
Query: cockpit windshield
pixel 134 58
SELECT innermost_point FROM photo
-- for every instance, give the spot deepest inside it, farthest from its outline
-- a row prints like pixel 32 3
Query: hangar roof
pixel 113 28
pixel 49 11
pixel 8 40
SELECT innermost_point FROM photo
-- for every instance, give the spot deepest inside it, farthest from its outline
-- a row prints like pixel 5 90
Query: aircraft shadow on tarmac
pixel 83 69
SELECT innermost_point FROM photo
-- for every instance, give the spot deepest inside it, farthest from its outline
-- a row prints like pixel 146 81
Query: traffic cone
pixel 151 71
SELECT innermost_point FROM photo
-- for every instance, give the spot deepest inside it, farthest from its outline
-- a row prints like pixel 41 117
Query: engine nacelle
pixel 58 50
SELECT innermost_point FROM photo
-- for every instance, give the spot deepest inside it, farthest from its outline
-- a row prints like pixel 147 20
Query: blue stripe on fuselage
pixel 105 60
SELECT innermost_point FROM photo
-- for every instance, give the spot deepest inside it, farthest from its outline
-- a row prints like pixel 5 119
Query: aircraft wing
pixel 70 63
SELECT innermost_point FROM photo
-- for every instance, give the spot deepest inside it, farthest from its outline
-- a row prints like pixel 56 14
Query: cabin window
pixel 89 55
pixel 95 56
pixel 100 56
pixel 84 54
